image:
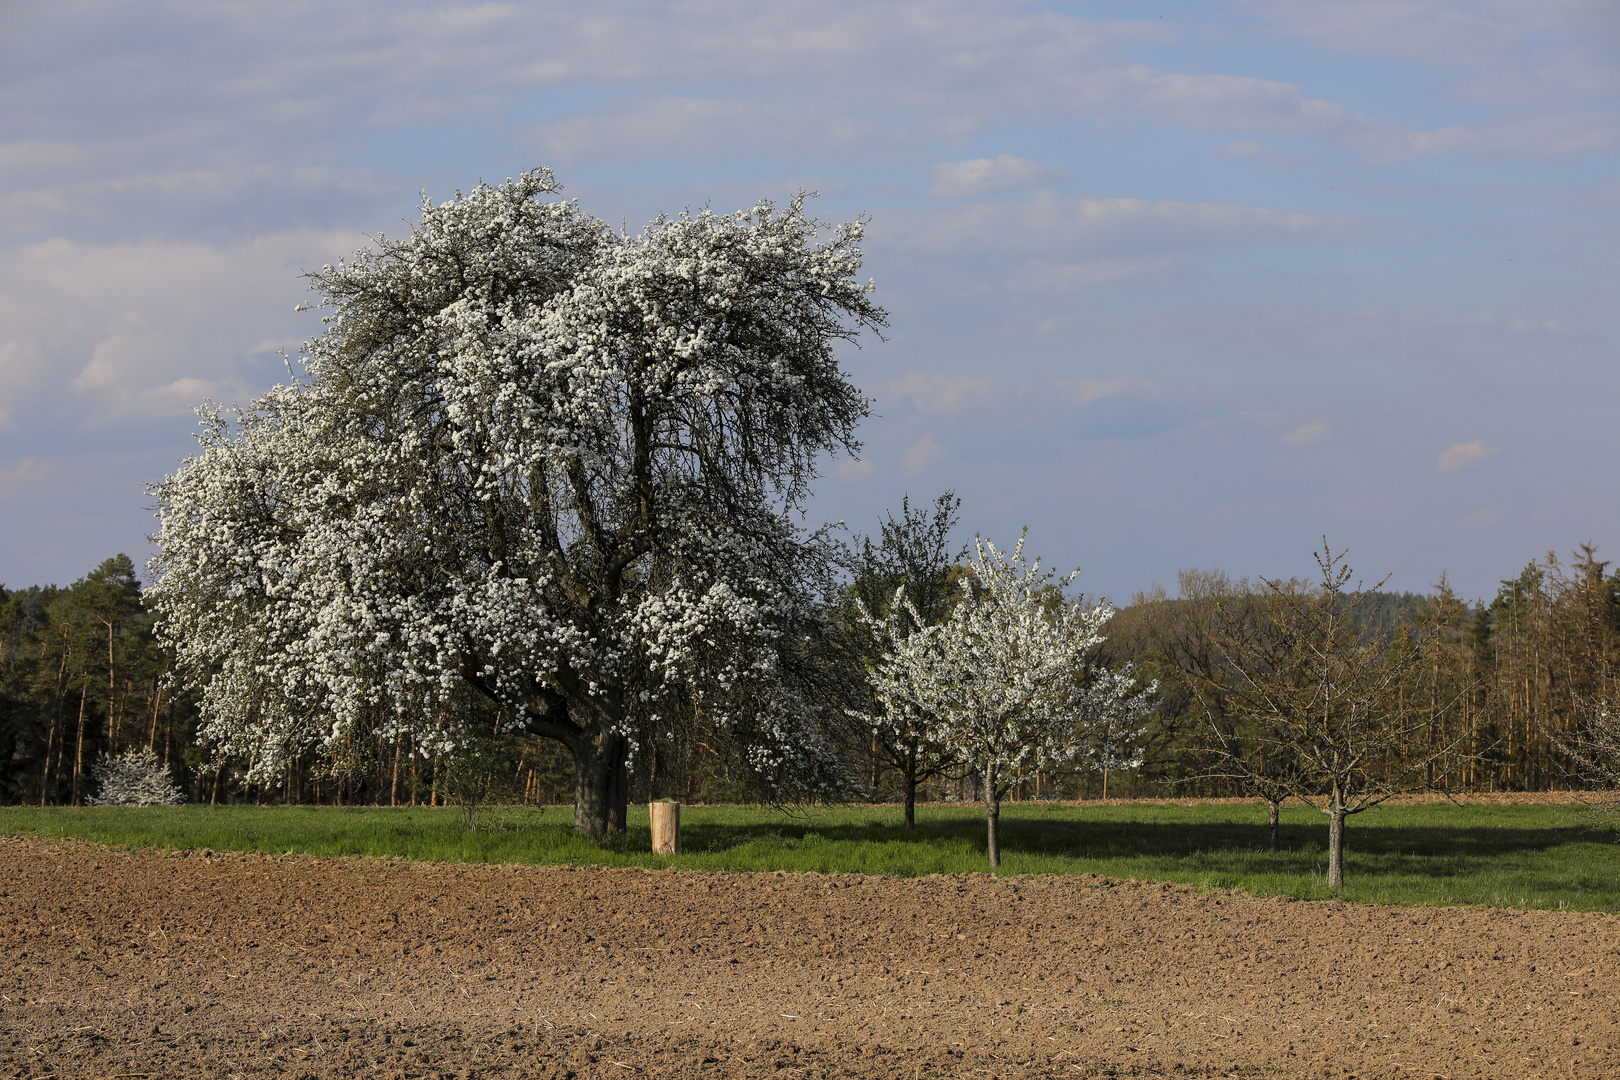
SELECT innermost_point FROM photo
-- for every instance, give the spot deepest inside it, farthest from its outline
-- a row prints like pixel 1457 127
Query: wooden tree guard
pixel 666 827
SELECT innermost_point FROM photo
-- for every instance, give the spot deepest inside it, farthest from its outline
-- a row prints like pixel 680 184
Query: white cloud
pixel 17 476
pixel 20 368
pixel 1307 434
pixel 1461 455
pixel 956 179
pixel 1085 391
pixel 922 456
pixel 1070 224
pixel 1503 50
pixel 933 393
pixel 1072 277
pixel 145 330
pixel 1264 153
pixel 1543 134
pixel 688 126
pixel 1479 519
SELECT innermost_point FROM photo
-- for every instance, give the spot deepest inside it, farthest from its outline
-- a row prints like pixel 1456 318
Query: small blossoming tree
pixel 537 461
pixel 1008 682
pixel 134 778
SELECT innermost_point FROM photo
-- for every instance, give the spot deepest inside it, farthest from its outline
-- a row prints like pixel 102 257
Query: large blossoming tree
pixel 534 461
pixel 1008 683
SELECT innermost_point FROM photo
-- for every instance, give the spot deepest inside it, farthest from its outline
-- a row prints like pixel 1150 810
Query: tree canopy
pixel 536 461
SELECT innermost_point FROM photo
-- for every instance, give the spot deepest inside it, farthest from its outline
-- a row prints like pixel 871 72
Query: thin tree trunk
pixel 57 719
pixel 992 816
pixel 78 755
pixel 157 703
pixel 45 777
pixel 911 801
pixel 112 695
pixel 393 788
pixel 1273 807
pixel 1336 841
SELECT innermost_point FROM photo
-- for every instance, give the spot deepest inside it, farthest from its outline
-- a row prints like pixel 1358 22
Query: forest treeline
pixel 1506 682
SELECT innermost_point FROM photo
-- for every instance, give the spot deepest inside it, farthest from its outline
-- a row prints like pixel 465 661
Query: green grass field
pixel 1536 856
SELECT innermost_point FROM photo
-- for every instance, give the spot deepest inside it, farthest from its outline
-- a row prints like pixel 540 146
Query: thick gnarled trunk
pixel 601 784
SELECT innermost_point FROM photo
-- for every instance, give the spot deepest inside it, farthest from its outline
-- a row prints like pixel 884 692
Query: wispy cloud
pixel 954 395
pixel 98 336
pixel 1069 277
pixel 921 456
pixel 1056 222
pixel 957 179
pixel 1462 455
pixel 1307 434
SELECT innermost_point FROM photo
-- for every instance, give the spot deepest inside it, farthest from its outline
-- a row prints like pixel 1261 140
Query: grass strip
pixel 1528 856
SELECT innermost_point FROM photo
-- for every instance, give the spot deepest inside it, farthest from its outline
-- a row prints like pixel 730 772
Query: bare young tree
pixel 1594 746
pixel 1318 696
pixel 1222 619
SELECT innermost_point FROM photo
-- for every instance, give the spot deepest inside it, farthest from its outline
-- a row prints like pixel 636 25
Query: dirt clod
pixel 255 966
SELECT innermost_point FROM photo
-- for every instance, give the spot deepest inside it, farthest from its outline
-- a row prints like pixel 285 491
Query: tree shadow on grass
pixel 1219 846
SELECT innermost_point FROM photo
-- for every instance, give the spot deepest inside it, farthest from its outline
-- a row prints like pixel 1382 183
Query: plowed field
pixel 248 966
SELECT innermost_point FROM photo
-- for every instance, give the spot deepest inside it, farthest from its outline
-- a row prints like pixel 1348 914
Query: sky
pixel 1171 284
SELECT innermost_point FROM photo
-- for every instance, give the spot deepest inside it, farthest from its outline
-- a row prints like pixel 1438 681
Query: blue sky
pixel 1171 284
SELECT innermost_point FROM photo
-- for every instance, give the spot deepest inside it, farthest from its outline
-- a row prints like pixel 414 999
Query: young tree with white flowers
pixel 1008 682
pixel 915 560
pixel 535 460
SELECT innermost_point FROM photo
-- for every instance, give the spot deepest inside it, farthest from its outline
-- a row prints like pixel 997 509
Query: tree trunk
pixel 1273 807
pixel 393 788
pixel 1336 842
pixel 911 802
pixel 78 754
pixel 58 719
pixel 157 703
pixel 112 695
pixel 992 816
pixel 45 777
pixel 601 784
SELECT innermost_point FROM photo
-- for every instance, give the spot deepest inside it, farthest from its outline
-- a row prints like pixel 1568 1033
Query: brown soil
pixel 239 965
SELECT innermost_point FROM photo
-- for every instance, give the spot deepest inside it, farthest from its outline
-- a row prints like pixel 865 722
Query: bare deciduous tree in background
pixel 1322 698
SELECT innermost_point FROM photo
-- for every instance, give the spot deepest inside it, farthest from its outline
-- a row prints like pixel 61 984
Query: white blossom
pixel 533 459
pixel 1007 682
pixel 134 778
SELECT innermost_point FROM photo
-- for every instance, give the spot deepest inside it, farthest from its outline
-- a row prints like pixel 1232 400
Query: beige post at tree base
pixel 666 827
